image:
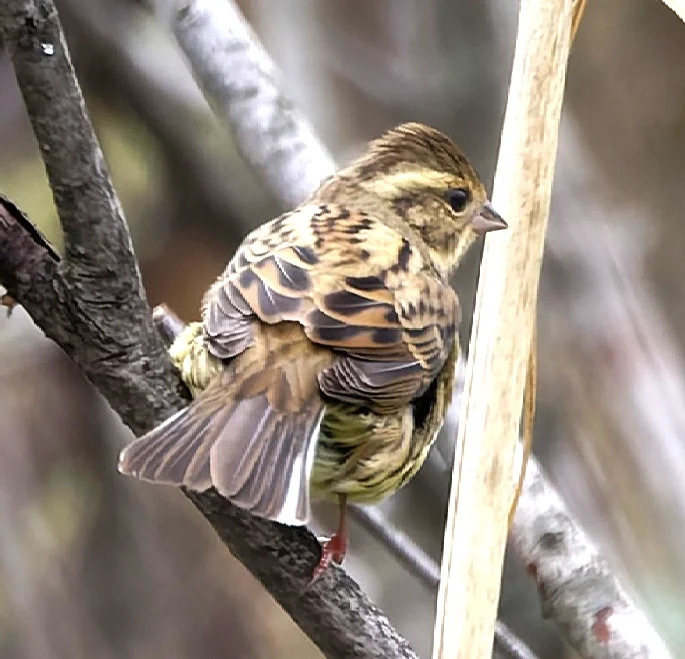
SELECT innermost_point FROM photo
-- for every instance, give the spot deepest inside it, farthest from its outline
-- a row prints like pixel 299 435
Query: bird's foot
pixel 332 550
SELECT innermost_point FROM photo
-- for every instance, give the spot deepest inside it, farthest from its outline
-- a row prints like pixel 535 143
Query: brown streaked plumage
pixel 326 352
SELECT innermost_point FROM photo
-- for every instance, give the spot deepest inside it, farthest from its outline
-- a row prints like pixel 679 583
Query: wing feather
pixel 356 286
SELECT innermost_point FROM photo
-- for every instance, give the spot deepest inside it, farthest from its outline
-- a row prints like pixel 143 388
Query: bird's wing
pixel 356 286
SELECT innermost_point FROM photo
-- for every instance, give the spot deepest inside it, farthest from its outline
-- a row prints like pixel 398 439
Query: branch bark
pixel 98 279
pixel 92 303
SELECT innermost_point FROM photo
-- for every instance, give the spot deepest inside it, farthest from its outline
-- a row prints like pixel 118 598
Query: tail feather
pixel 274 472
pixel 258 457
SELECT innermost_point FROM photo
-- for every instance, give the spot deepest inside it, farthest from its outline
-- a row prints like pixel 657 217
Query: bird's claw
pixel 333 549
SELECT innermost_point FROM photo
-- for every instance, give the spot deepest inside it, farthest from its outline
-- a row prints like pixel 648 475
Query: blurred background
pixel 95 565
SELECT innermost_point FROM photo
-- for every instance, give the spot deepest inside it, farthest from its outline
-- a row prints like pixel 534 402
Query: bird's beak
pixel 488 220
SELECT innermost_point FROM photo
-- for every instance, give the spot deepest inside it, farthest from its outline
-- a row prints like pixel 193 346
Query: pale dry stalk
pixel 482 482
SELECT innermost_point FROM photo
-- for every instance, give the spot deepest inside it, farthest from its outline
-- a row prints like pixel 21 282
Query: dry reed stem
pixel 482 484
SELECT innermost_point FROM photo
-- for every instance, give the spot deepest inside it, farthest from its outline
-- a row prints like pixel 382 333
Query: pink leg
pixel 335 548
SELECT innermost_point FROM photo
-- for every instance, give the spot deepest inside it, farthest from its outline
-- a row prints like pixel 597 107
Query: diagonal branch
pixel 240 81
pixel 576 586
pixel 99 275
pixel 93 305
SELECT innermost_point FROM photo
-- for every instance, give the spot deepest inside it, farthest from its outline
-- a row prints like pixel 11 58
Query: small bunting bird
pixel 324 362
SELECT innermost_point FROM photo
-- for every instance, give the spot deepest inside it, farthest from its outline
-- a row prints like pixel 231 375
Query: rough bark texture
pixel 92 303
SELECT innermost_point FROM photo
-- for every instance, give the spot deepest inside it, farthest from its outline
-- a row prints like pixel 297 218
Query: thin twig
pixel 93 305
pixel 415 559
pixel 419 563
pixel 170 116
pixel 482 488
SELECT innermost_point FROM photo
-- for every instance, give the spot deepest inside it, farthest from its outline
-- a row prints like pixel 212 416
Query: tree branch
pixel 240 81
pixel 419 563
pixel 93 305
pixel 576 587
pixel 98 278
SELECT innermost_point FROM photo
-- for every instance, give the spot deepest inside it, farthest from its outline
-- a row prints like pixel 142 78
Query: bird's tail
pixel 251 434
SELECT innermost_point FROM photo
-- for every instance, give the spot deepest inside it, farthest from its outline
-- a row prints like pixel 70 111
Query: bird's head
pixel 419 176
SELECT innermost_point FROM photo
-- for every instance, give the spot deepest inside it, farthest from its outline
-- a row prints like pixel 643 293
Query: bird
pixel 324 361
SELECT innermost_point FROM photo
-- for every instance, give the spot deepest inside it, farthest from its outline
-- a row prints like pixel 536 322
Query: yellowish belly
pixel 365 455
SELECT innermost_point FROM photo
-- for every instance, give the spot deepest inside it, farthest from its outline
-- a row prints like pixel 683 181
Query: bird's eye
pixel 458 198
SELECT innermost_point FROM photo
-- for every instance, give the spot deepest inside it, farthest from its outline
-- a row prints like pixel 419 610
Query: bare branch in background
pixel 138 75
pixel 576 587
pixel 93 305
pixel 240 82
pixel 419 563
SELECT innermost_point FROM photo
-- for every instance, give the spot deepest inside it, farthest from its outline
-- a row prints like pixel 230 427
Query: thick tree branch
pixel 124 354
pixel 93 305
